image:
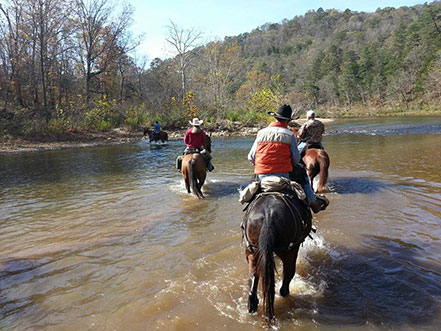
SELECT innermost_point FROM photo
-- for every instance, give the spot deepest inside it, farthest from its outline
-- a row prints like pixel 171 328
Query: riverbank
pixel 78 139
pixel 83 139
pixel 115 136
pixel 91 139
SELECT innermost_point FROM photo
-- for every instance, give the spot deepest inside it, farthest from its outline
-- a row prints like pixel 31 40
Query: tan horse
pixel 317 162
pixel 194 170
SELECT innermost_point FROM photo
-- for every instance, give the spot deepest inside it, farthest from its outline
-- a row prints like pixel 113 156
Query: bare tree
pixel 99 36
pixel 49 20
pixel 14 45
pixel 183 42
pixel 220 65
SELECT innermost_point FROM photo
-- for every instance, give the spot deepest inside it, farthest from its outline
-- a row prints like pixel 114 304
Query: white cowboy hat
pixel 196 122
pixel 310 113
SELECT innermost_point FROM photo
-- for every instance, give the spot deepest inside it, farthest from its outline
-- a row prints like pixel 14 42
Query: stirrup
pixel 321 203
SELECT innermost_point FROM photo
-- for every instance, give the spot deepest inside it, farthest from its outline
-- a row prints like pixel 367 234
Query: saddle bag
pixel 248 193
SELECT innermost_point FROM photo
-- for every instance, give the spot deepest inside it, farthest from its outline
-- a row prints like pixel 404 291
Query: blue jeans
pixel 307 187
pixel 277 174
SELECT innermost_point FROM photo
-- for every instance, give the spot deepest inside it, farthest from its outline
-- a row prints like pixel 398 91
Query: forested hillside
pixel 67 65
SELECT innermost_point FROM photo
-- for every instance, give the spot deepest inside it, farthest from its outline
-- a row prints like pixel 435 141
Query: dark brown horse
pixel 274 223
pixel 317 163
pixel 161 135
pixel 194 170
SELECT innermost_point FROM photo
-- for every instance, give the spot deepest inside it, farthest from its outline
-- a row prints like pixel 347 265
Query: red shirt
pixel 195 140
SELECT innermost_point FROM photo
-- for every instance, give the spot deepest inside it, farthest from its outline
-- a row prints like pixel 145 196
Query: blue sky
pixel 220 18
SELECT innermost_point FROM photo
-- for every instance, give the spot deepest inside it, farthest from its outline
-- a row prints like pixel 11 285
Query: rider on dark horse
pixel 275 153
pixel 310 133
pixel 194 139
pixel 156 130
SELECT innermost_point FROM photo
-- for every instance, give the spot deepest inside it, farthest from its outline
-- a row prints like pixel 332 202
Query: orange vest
pixel 273 153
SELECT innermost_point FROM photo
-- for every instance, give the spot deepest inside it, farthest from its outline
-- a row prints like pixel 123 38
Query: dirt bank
pixel 112 137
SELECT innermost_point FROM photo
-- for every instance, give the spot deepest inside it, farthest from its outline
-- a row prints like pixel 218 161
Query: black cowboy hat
pixel 283 113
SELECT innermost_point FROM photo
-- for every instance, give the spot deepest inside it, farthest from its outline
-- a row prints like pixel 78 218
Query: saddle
pixel 271 184
pixel 191 150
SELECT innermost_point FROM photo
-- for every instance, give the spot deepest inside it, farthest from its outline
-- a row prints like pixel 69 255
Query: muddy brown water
pixel 106 238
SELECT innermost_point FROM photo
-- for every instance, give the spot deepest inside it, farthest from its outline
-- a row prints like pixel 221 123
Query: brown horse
pixel 194 170
pixel 161 135
pixel 317 162
pixel 274 223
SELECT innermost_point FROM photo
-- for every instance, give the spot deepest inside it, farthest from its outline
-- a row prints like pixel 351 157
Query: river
pixel 106 238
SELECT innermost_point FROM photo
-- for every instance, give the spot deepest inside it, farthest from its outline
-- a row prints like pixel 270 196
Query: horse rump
pixel 194 173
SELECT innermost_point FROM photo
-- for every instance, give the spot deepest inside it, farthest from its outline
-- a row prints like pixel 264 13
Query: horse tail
pixel 266 268
pixel 193 180
pixel 323 160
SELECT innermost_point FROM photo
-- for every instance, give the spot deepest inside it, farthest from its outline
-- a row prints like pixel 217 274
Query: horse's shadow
pixel 14 272
pixel 219 189
pixel 383 285
pixel 351 185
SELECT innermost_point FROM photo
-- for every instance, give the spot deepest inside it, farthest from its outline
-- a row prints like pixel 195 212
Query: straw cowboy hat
pixel 196 122
pixel 283 113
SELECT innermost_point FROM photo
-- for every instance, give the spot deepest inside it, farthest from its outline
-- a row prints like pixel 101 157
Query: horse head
pixel 207 142
pixel 295 127
pixel 148 132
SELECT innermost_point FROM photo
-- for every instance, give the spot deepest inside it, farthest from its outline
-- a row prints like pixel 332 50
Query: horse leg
pixel 312 172
pixel 186 177
pixel 253 282
pixel 289 269
pixel 324 165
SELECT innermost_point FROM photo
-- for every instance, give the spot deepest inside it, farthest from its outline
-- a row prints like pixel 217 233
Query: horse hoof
pixel 284 292
pixel 253 302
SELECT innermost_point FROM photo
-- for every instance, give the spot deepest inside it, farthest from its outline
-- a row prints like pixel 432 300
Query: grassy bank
pixel 383 111
pixel 42 137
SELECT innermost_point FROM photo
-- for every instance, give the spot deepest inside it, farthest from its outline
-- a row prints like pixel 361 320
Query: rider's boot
pixel 320 203
pixel 179 163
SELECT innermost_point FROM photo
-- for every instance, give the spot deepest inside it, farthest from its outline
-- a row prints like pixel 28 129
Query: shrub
pixel 103 126
pixel 57 127
pixel 137 117
pixel 104 111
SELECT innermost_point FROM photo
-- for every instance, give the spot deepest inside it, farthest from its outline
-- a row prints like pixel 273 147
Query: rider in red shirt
pixel 194 138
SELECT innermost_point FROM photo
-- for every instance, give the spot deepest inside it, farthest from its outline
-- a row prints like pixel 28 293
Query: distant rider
pixel 275 153
pixel 310 133
pixel 194 139
pixel 156 130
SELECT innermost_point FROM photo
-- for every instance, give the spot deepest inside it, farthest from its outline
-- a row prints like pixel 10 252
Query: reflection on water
pixel 108 238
